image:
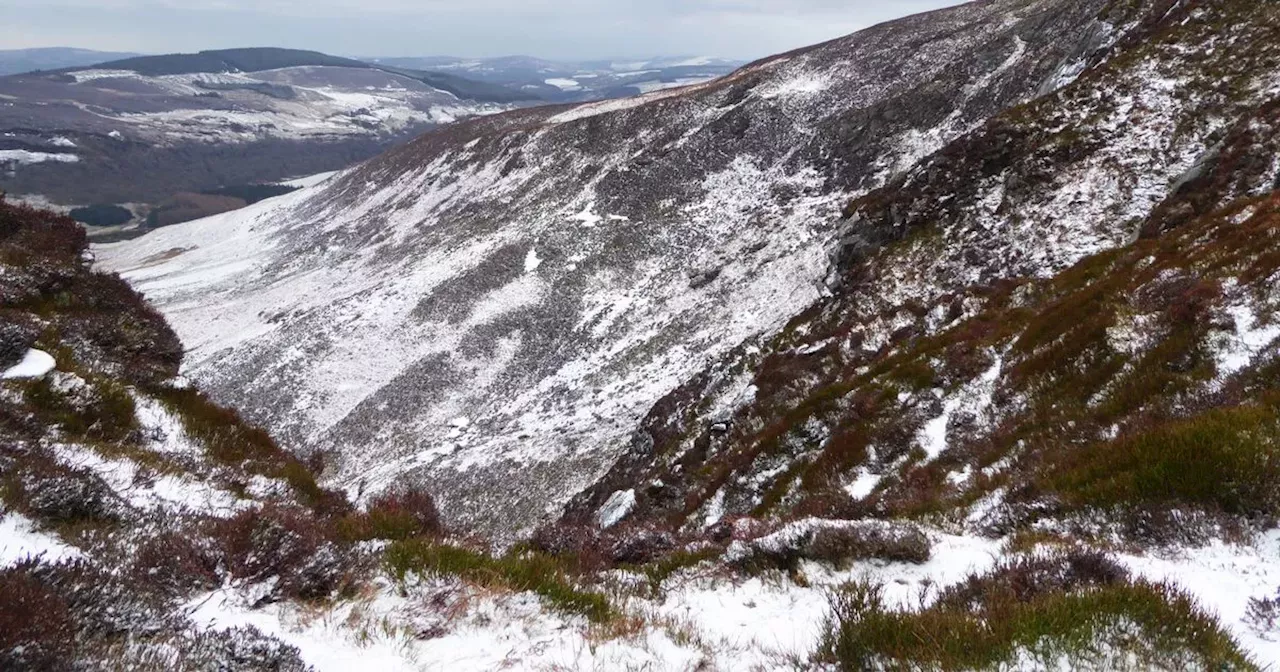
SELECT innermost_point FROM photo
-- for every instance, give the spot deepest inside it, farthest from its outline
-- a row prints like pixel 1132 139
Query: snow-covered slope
pixel 491 308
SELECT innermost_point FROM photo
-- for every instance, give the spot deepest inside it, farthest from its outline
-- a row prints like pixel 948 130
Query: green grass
pixel 1227 459
pixel 656 573
pixel 1115 621
pixel 229 439
pixel 531 572
pixel 109 415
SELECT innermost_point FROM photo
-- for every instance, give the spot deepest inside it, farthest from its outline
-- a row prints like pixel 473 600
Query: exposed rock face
pixel 492 308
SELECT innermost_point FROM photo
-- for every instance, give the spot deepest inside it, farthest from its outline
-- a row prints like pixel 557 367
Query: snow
pixel 149 491
pixel 22 156
pixel 19 540
pixel 531 261
pixel 34 364
pixel 1223 577
pixel 476 630
pixel 933 437
pixel 565 84
pixel 865 483
pixel 974 398
pixel 660 85
pixel 587 217
pixel 1235 352
pixel 618 507
pixel 310 180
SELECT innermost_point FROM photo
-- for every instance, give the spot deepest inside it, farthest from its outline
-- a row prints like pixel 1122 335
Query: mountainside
pixel 142 129
pixel 940 299
pixel 952 344
pixel 493 307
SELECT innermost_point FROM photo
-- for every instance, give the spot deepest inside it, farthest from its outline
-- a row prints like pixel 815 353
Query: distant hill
pixel 228 60
pixel 14 61
pixel 572 81
pixel 270 58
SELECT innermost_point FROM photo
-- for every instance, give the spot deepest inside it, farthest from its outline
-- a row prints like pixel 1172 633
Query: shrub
pixel 1085 617
pixel 528 571
pixel 839 545
pixel 639 544
pixel 843 545
pixel 1263 614
pixel 58 495
pixel 108 414
pixel 176 563
pixel 290 546
pixel 36 629
pixel 1227 459
pixel 229 439
pixel 398 514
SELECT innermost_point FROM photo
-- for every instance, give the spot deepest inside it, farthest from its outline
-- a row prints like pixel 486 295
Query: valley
pixel 953 343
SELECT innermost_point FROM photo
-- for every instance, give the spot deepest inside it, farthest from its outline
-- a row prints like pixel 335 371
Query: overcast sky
pixel 570 29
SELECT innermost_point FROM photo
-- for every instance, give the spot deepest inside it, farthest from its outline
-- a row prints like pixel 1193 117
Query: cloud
pixel 550 28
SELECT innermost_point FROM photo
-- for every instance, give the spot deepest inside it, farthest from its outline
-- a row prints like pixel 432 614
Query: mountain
pixel 951 344
pixel 140 130
pixel 14 61
pixel 496 306
pixel 262 59
pixel 563 81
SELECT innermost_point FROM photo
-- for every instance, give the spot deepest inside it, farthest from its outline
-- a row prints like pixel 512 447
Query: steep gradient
pixel 493 307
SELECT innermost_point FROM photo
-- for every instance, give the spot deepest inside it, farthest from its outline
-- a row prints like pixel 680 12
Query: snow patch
pixel 19 540
pixel 35 364
pixel 22 156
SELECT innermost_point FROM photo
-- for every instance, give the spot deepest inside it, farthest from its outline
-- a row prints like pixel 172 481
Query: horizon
pixel 370 57
pixel 572 30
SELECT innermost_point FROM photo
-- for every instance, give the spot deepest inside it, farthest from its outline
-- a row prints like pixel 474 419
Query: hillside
pixel 542 278
pixel 950 344
pixel 261 59
pixel 135 132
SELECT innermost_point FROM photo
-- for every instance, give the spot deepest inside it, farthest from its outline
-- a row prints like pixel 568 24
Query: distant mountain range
pixel 142 129
pixel 83 127
pixel 262 59
pixel 575 81
pixel 14 61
